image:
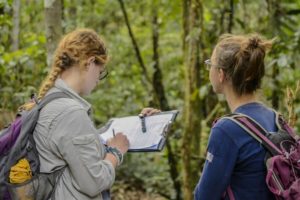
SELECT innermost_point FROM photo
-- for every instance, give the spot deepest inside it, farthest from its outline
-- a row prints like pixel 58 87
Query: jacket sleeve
pixel 77 141
pixel 220 161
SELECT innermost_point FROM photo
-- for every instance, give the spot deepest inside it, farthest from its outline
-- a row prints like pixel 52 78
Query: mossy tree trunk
pixel 192 25
pixel 53 26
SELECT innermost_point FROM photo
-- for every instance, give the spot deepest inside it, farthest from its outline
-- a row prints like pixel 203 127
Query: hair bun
pixel 254 42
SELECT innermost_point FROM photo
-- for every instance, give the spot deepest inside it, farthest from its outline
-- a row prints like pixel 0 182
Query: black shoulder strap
pixel 255 130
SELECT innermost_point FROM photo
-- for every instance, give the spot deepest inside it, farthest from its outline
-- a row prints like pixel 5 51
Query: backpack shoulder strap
pixel 255 130
pixel 29 120
pixel 47 99
pixel 283 125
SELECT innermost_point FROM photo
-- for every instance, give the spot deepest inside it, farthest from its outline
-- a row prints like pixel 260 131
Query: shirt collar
pixel 62 86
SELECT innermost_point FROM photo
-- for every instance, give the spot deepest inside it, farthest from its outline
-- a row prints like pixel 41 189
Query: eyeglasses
pixel 209 65
pixel 103 74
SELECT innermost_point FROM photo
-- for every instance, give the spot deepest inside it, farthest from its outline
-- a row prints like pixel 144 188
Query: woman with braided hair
pixel 234 167
pixel 65 134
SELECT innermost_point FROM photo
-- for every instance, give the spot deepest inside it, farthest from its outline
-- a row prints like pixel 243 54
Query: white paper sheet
pixel 132 128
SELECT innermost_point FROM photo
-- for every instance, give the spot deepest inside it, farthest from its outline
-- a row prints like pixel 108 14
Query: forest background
pixel 157 50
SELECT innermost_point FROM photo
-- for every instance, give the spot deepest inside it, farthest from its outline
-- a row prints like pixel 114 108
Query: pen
pixel 114 134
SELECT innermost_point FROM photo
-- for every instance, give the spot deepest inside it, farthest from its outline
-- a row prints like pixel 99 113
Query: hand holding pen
pixel 119 141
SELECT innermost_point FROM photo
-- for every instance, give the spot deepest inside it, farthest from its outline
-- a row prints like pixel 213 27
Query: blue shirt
pixel 235 159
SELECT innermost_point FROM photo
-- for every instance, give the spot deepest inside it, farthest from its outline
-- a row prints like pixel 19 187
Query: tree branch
pixel 135 45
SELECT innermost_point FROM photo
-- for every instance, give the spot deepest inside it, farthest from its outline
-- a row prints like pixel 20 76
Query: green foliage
pixel 21 71
pixel 123 92
pixel 147 172
pixel 5 23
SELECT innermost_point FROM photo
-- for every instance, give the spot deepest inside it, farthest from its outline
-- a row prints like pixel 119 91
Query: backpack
pixel 17 145
pixel 282 159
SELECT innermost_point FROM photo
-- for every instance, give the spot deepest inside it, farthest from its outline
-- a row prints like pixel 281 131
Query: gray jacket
pixel 65 135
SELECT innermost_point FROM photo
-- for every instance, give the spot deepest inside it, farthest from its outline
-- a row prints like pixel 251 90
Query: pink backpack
pixel 282 158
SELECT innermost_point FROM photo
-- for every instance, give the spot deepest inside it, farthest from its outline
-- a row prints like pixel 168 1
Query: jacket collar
pixel 60 85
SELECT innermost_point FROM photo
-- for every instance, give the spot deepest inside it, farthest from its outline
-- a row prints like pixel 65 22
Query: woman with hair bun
pixel 235 161
pixel 65 135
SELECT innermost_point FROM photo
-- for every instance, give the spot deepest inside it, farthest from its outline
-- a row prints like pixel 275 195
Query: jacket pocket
pixel 88 148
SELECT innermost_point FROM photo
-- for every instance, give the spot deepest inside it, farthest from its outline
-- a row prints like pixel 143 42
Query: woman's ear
pixel 89 62
pixel 221 75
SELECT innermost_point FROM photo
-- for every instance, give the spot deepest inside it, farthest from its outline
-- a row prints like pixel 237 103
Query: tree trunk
pixel 159 92
pixel 275 25
pixel 16 25
pixel 192 22
pixel 53 23
pixel 231 16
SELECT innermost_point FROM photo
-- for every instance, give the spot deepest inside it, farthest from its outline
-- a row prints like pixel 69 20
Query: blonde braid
pixel 46 86
pixel 49 81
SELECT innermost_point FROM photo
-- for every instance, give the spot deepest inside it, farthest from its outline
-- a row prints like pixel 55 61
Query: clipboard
pixel 144 136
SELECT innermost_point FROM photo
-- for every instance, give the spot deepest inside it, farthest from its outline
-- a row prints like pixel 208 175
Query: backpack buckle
pixel 29 148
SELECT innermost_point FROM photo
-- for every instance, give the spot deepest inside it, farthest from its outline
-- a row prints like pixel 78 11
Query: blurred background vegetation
pixel 157 49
